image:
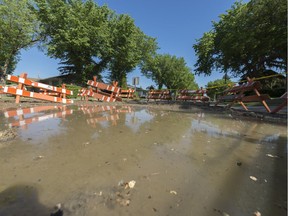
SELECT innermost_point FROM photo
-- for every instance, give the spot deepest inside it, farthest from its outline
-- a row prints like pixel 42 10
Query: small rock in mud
pixel 6 135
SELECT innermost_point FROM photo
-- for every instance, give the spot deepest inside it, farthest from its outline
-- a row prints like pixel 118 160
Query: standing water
pixel 108 160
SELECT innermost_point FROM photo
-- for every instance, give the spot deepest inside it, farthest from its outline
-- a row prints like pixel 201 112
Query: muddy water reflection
pixel 183 163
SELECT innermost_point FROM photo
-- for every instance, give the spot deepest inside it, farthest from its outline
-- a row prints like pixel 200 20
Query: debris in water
pixel 131 184
pixel 253 178
pixel 272 156
pixel 173 192
pixel 38 157
pixel 239 163
pixel 257 213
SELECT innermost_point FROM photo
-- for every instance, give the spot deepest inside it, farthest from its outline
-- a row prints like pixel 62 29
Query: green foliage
pixel 249 38
pixel 19 29
pixel 130 47
pixel 88 39
pixel 217 86
pixel 169 71
pixel 75 90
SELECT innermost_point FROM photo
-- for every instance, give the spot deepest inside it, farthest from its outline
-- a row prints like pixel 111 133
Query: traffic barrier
pixel 193 95
pixel 1 89
pixel 159 95
pixel 102 91
pixel 236 94
pixel 283 99
pixel 21 121
pixel 23 81
pixel 127 93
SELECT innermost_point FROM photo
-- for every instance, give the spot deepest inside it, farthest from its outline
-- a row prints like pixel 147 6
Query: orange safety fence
pixel 194 95
pixel 101 91
pixel 127 93
pixel 159 95
pixel 236 94
pixel 20 90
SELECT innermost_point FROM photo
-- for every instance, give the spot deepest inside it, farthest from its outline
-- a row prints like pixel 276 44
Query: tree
pixel 217 86
pixel 249 38
pixel 78 34
pixel 130 47
pixel 169 71
pixel 89 39
pixel 19 29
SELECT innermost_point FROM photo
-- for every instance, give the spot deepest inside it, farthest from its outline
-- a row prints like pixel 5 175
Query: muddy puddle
pixel 109 160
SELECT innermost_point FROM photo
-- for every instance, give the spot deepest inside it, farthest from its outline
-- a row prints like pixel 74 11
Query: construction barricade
pixel 193 95
pixel 283 103
pixel 237 94
pixel 21 91
pixel 101 91
pixel 127 93
pixel 159 95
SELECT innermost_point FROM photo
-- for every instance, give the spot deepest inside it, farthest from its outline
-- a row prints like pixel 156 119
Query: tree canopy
pixel 169 71
pixel 249 38
pixel 19 29
pixel 89 39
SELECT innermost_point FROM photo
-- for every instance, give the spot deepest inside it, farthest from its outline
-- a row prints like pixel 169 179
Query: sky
pixel 175 24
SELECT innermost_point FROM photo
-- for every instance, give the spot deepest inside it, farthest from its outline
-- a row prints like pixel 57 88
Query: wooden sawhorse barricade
pixel 101 91
pixel 159 95
pixel 236 94
pixel 283 103
pixel 127 93
pixel 193 95
pixel 23 81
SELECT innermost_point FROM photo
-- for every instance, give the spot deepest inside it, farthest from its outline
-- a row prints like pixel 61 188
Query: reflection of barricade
pixel 101 91
pixel 194 95
pixel 236 94
pixel 96 109
pixel 159 95
pixel 61 112
pixel 127 93
pixel 94 121
pixel 20 91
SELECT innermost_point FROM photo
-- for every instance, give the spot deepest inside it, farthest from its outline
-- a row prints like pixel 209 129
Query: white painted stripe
pixel 6 115
pixel 5 89
pixel 31 94
pixel 21 80
pixel 19 91
pixel 8 77
pixel 19 112
pixel 64 91
pixel 21 123
pixel 64 100
pixel 32 110
pixel 55 99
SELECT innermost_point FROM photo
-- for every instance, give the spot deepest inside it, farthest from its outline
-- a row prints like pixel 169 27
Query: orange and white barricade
pixel 237 94
pixel 23 81
pixel 193 95
pixel 127 93
pixel 159 95
pixel 102 91
pixel 1 89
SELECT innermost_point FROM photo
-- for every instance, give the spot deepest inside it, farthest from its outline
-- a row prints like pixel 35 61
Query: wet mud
pixel 95 159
